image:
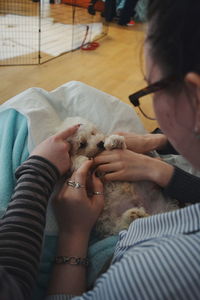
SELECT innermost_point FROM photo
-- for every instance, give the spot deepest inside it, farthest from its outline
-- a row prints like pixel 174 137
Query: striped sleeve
pixel 22 227
pixel 59 297
pixel 165 268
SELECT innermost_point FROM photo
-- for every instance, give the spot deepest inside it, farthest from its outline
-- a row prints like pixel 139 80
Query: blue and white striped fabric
pixel 157 258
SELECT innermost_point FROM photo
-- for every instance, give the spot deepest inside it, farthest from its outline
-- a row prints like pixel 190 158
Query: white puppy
pixel 124 201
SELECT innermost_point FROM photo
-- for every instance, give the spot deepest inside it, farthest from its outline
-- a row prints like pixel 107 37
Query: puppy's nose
pixel 100 145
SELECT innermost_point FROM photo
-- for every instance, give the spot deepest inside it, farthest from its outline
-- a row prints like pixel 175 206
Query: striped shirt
pixel 22 227
pixel 156 258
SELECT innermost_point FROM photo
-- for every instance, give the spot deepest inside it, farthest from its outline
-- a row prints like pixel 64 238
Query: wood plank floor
pixel 20 7
pixel 115 67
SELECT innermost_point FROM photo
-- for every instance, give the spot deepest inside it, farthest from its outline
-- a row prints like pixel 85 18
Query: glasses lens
pixel 146 108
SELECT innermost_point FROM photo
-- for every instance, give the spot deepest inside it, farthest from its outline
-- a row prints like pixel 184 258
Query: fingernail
pixel 76 126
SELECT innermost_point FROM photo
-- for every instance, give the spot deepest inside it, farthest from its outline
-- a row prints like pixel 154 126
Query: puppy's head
pixel 87 141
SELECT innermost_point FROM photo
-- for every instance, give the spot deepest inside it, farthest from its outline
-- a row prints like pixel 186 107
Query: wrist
pixel 154 141
pixel 72 245
pixel 161 141
pixel 69 272
pixel 161 172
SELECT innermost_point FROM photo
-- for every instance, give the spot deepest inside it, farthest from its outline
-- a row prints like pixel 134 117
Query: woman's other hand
pixel 143 143
pixel 76 212
pixel 56 149
pixel 126 165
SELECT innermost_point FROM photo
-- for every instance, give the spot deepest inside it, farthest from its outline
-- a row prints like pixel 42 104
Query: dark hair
pixel 174 36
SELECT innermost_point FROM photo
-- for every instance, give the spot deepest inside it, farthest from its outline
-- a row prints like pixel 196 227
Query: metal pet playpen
pixel 36 31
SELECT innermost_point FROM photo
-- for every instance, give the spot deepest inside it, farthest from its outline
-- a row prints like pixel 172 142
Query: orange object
pixel 90 46
pixel 131 23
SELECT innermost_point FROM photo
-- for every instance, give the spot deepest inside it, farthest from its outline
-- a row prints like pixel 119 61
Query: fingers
pixel 98 187
pixel 115 176
pixel 81 174
pixel 97 184
pixel 107 157
pixel 68 132
pixel 110 167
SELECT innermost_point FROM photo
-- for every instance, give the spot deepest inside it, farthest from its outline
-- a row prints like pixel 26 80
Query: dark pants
pixel 127 12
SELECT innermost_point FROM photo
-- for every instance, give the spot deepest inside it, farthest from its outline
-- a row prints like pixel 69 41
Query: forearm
pixel 22 226
pixel 67 278
pixel 145 143
pixel 158 171
pixel 154 142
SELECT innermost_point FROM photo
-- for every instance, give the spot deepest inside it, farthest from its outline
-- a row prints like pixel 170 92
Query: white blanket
pixel 46 110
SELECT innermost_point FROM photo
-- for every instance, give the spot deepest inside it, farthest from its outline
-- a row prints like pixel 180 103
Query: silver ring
pixel 74 184
pixel 98 193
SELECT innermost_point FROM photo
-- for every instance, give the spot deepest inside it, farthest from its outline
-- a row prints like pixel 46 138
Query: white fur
pixel 124 201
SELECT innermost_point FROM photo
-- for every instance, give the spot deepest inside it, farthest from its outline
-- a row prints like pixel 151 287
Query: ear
pixel 193 79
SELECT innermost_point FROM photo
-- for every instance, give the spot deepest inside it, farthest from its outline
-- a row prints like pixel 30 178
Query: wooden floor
pixel 115 67
pixel 20 7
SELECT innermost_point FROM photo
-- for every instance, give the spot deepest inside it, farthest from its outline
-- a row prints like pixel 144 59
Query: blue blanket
pixel 13 151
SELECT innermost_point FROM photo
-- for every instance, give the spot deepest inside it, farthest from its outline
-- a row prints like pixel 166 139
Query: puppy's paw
pixel 136 213
pixel 129 216
pixel 114 141
pixel 77 161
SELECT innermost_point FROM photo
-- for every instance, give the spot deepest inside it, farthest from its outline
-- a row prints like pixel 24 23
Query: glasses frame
pixel 152 88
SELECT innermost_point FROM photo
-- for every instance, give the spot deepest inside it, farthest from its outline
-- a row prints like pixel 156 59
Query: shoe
pixel 131 23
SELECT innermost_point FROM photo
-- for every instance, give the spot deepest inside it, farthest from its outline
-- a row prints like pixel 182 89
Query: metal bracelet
pixel 71 260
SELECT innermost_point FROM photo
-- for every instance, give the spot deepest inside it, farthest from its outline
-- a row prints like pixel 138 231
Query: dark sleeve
pixel 168 148
pixel 22 227
pixel 183 187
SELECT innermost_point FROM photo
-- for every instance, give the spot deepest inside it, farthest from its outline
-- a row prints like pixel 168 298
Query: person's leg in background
pixel 91 9
pixel 119 6
pixel 109 9
pixel 127 12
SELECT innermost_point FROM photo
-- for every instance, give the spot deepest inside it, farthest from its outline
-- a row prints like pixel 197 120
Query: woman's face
pixel 175 114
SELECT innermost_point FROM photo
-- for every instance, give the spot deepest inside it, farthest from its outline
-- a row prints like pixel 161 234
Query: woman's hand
pixel 143 143
pixel 56 149
pixel 126 165
pixel 76 212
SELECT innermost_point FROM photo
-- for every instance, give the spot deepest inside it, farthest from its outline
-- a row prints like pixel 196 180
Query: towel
pixel 13 151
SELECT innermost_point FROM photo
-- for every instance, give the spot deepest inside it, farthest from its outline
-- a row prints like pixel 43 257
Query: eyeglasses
pixel 152 88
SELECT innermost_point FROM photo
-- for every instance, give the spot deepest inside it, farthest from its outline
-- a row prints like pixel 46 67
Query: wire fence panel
pixel 35 31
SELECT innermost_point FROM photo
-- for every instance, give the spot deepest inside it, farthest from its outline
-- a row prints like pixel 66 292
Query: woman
pixel 22 226
pixel 157 257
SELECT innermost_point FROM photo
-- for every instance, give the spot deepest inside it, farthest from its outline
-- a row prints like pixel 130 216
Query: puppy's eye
pixel 83 145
